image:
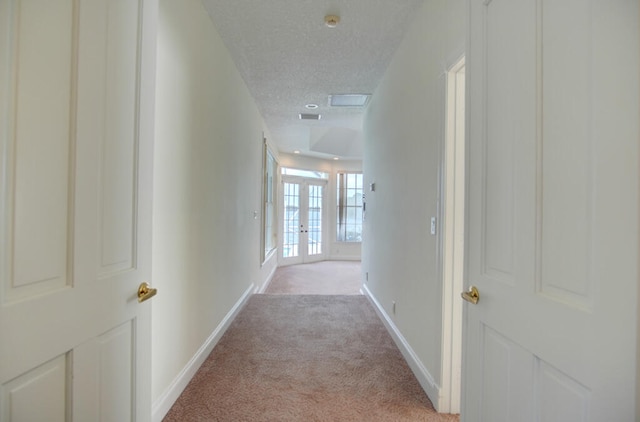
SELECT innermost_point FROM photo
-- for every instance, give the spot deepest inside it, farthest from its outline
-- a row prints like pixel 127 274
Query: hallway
pixel 296 355
pixel 144 146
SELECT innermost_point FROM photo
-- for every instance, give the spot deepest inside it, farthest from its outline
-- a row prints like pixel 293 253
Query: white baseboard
pixel 427 382
pixel 261 289
pixel 344 258
pixel 163 404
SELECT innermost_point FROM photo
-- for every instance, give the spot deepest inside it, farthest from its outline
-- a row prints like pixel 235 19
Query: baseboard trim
pixel 262 289
pixel 426 380
pixel 163 404
pixel 344 258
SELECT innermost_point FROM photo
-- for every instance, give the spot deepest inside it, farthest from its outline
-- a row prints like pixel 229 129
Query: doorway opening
pixel 303 217
pixel 453 217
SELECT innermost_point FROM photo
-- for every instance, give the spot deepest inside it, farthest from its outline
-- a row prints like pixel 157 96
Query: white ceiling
pixel 289 58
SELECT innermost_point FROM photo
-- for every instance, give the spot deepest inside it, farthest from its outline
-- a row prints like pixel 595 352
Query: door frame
pixel 452 215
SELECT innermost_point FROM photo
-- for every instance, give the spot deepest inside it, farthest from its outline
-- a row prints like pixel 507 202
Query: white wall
pixel 208 181
pixel 404 134
pixel 337 250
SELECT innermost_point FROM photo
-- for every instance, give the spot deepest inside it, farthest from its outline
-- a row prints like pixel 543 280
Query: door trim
pixel 452 186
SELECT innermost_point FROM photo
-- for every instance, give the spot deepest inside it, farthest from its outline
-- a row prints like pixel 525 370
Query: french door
pixel 76 118
pixel 303 220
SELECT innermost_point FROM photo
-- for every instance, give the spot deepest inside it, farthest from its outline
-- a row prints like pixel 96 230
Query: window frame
pixel 269 229
pixel 343 207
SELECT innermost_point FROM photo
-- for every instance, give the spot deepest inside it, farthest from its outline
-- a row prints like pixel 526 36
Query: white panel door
pixel 303 217
pixel 552 211
pixel 76 121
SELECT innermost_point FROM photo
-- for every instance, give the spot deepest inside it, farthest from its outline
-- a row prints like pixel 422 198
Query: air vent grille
pixel 310 116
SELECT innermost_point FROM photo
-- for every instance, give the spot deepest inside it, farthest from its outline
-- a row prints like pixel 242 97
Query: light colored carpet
pixel 318 278
pixel 305 358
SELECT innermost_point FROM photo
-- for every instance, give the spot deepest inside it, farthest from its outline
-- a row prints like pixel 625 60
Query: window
pixel 269 218
pixel 349 221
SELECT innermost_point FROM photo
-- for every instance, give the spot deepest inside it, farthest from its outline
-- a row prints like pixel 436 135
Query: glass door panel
pixel 291 223
pixel 314 228
pixel 303 216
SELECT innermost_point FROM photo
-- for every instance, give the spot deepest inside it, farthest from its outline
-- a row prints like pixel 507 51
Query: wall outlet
pixel 393 307
pixel 433 225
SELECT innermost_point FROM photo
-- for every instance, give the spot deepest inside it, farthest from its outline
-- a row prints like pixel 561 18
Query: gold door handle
pixel 145 292
pixel 473 295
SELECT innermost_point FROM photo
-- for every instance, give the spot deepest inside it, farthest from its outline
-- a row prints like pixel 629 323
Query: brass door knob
pixel 145 292
pixel 473 295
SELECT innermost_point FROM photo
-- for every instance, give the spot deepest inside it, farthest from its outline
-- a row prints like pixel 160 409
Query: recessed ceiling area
pixel 289 57
pixel 349 100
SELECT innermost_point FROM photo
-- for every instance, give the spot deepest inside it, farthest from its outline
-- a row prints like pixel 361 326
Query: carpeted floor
pixel 318 278
pixel 305 358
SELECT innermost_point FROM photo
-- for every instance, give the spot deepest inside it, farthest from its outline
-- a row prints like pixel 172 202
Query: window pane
pixel 349 212
pixel 351 197
pixel 314 243
pixel 359 198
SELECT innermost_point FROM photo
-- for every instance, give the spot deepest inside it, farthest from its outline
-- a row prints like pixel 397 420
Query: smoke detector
pixel 331 20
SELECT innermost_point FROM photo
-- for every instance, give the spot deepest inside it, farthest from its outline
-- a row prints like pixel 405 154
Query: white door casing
pixel 552 211
pixel 76 118
pixel 452 237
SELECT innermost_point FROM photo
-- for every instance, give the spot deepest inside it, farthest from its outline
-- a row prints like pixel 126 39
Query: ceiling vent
pixel 309 116
pixel 349 100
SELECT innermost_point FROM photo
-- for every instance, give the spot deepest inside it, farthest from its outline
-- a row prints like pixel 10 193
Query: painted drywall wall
pixel 348 251
pixel 404 134
pixel 207 185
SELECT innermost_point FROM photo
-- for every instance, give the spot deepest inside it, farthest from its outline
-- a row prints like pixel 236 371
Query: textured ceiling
pixel 289 58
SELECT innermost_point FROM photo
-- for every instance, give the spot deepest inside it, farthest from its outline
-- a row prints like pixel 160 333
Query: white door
pixel 303 215
pixel 76 120
pixel 553 211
